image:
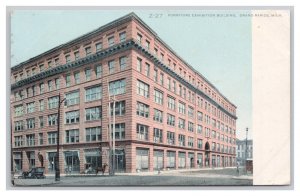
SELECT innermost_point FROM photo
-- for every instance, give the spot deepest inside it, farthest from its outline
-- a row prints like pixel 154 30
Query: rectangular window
pixel 52 138
pixel 41 119
pixel 142 89
pixel 181 107
pixel 181 140
pixel 93 93
pixel 155 75
pixel 142 132
pixel 123 62
pixel 30 140
pixel 57 83
pixel 18 141
pixel 98 46
pixel 169 83
pixel 19 110
pixel 161 79
pixel 77 77
pixel 111 41
pixel 72 136
pixel 158 97
pixel 72 98
pixel 171 103
pixel 53 102
pixel 117 87
pixel 42 67
pixel 199 143
pixel 139 65
pixel 119 131
pixel 190 142
pixel 56 61
pixel 94 113
pixel 52 119
pixel 142 109
pixel 207 132
pixel 171 138
pixel 158 115
pixel 93 134
pixel 155 51
pixel 30 123
pixel 41 140
pixel 147 44
pixel 199 129
pixel 122 36
pixel 72 117
pixel 111 66
pixel 157 135
pixel 98 71
pixel 68 58
pixel 88 74
pixel 191 112
pixel 170 120
pixel 181 123
pixel 119 108
pixel 33 90
pixel 88 51
pixel 147 70
pixel 139 38
pixel 68 80
pixel 199 116
pixel 191 126
pixel 19 125
pixel 77 56
pixel 42 88
pixel 162 57
pixel 50 87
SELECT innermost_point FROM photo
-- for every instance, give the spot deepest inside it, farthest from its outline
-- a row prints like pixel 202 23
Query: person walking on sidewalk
pixel 237 168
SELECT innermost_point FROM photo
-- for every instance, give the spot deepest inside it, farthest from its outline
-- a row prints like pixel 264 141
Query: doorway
pixel 119 160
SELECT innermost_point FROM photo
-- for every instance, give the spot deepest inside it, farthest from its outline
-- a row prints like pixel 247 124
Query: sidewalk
pixel 34 182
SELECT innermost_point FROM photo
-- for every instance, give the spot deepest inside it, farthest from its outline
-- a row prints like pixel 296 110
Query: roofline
pixel 131 15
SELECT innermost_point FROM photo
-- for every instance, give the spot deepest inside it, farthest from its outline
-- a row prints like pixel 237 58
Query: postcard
pixel 149 97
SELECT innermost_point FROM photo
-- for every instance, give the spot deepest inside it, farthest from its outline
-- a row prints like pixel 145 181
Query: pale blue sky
pixel 218 47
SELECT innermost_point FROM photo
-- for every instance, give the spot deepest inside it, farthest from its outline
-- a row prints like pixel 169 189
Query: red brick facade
pixel 135 151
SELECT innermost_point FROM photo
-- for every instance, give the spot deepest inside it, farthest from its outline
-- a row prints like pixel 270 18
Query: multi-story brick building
pixel 241 150
pixel 167 114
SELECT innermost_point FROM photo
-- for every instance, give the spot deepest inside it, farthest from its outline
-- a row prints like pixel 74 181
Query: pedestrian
pixel 237 168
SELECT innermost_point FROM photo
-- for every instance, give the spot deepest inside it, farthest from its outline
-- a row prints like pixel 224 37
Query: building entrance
pixel 119 160
pixel 207 154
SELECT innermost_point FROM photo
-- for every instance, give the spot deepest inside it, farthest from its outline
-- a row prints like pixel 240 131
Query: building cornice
pixel 130 44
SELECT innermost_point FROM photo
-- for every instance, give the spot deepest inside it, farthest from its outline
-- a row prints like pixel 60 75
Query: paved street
pixel 165 178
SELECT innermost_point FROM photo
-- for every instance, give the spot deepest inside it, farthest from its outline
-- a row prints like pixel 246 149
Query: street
pixel 166 178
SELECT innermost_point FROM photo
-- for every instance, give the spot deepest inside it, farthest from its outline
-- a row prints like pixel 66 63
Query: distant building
pixel 241 150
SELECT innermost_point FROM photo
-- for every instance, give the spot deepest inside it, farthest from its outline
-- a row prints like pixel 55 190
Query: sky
pixel 216 43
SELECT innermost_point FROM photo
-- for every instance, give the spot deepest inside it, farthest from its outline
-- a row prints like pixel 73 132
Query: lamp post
pixel 57 171
pixel 11 148
pixel 246 151
pixel 112 135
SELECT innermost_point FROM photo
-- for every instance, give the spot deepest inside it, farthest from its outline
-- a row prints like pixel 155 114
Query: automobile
pixel 34 173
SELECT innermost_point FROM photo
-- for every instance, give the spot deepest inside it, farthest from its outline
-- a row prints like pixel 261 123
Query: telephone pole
pixel 246 151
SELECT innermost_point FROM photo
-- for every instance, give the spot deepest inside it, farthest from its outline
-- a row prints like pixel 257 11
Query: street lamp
pixel 112 137
pixel 246 151
pixel 57 171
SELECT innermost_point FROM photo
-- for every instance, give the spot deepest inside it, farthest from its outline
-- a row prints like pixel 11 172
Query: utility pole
pixel 112 138
pixel 114 131
pixel 57 170
pixel 246 151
